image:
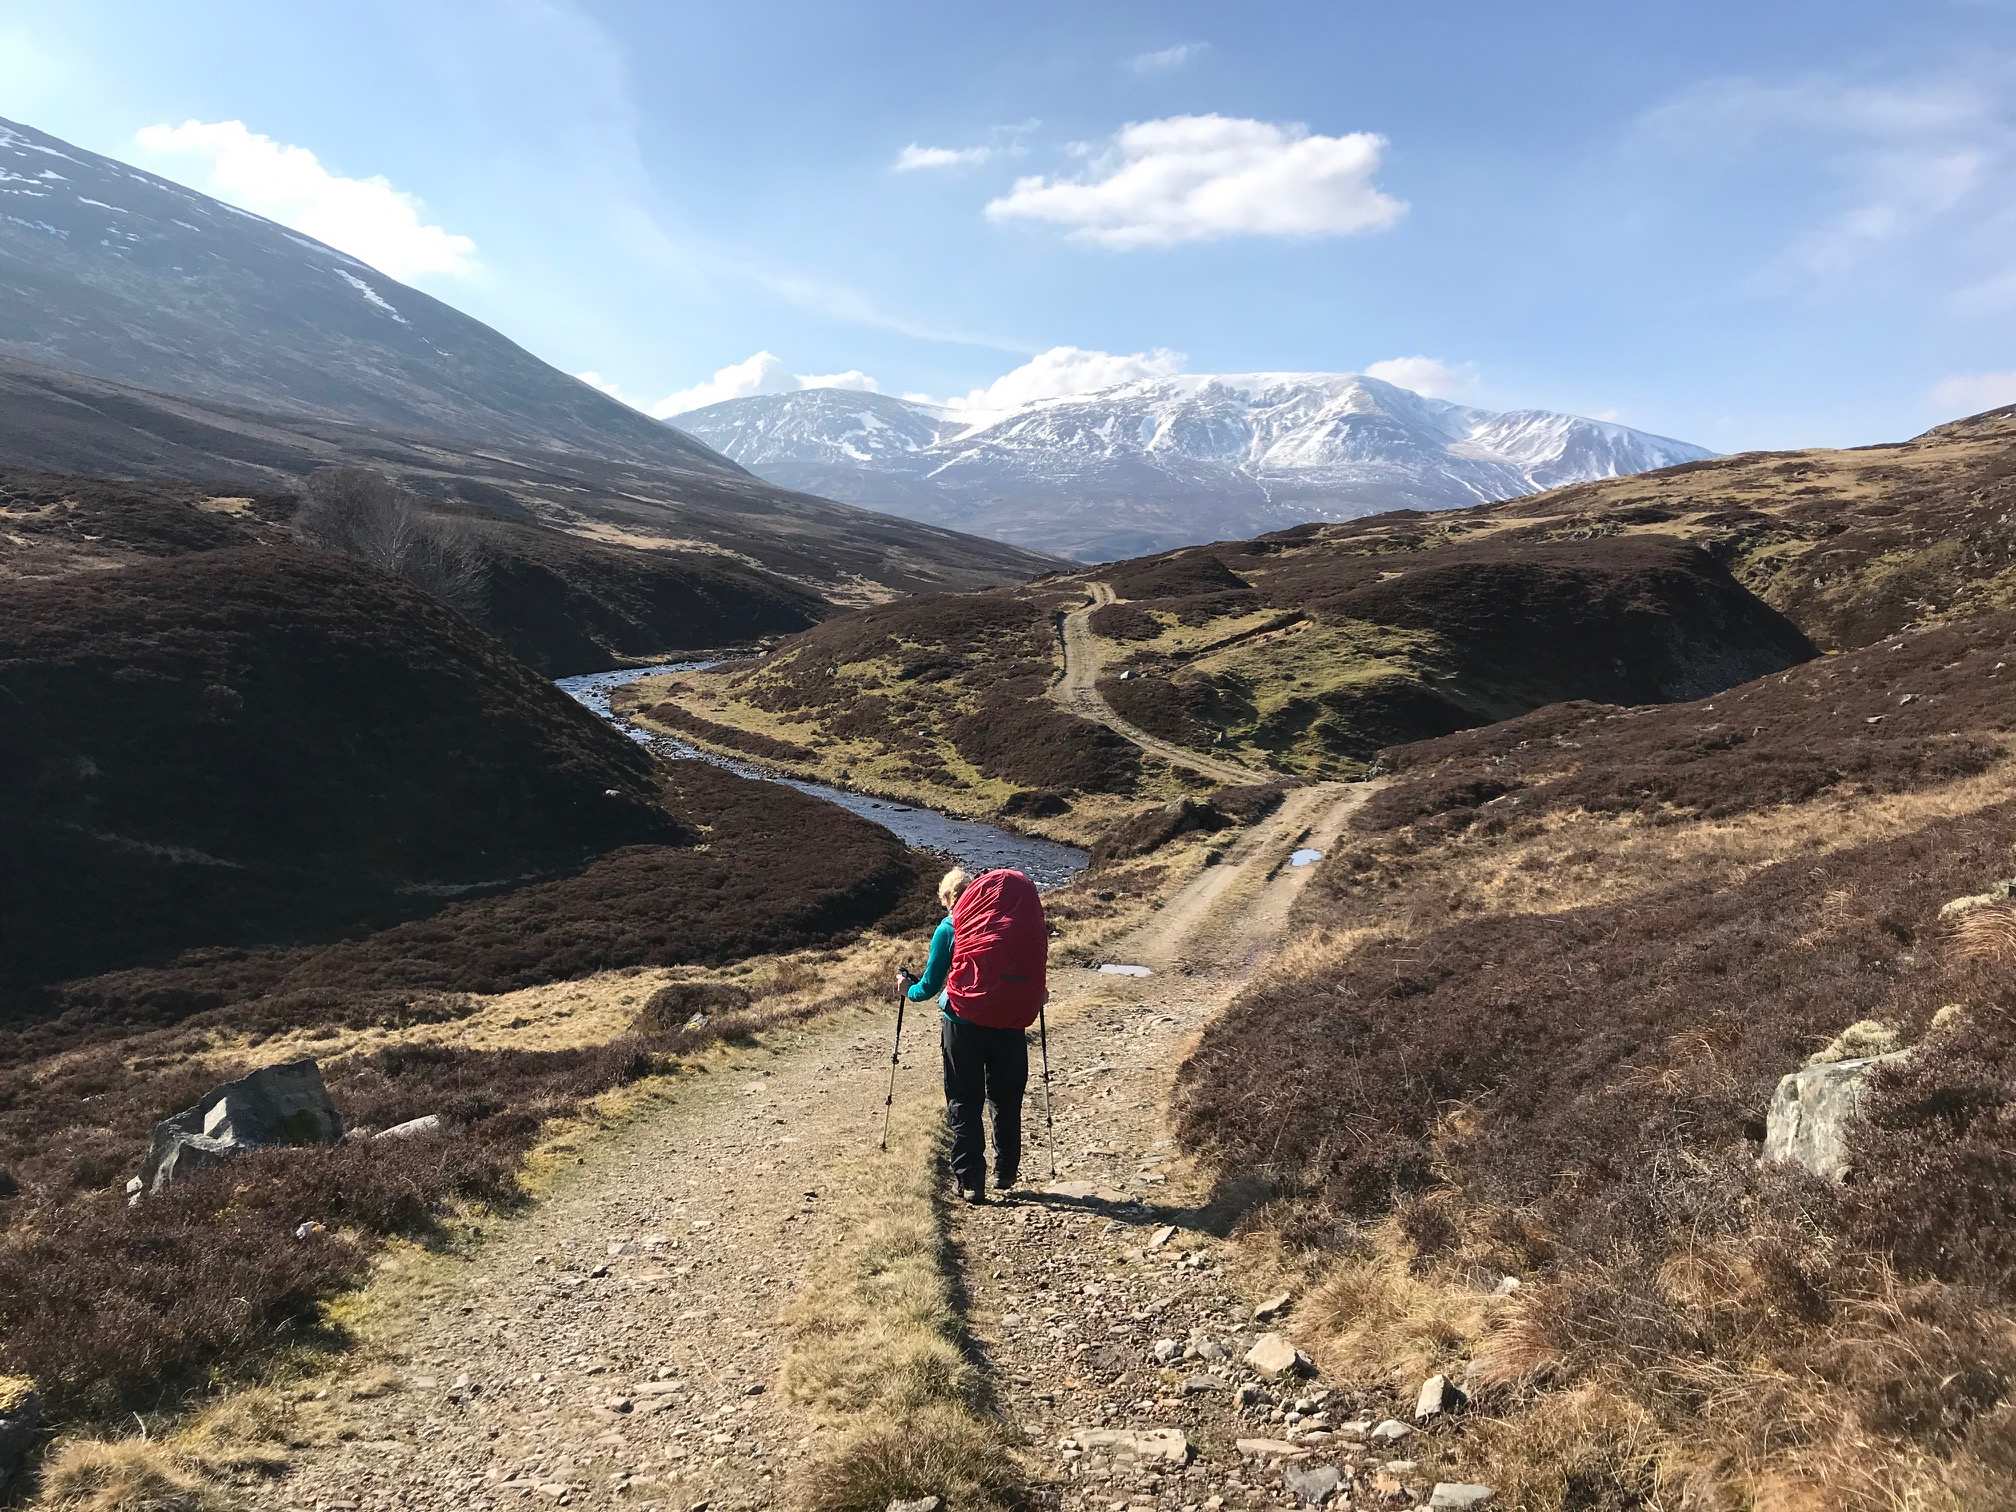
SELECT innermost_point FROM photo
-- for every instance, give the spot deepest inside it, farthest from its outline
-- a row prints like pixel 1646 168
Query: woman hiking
pixel 986 967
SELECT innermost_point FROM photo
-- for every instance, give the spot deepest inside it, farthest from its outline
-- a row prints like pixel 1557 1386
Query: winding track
pixel 1078 691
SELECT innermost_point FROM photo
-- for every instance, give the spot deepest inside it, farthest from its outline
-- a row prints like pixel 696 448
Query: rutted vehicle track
pixel 620 1344
pixel 1078 691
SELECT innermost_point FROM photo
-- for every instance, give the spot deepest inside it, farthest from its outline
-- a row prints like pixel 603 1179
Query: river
pixel 975 846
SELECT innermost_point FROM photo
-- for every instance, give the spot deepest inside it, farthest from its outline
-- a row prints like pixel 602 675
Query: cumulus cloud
pixel 1167 59
pixel 1198 178
pixel 366 217
pixel 853 379
pixel 760 373
pixel 914 157
pixel 1426 375
pixel 1062 371
pixel 1970 393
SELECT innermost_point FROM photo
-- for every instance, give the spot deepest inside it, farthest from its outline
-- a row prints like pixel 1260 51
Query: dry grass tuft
pixel 248 1433
pixel 1987 935
pixel 1378 1316
pixel 936 1451
pixel 131 1475
pixel 878 1348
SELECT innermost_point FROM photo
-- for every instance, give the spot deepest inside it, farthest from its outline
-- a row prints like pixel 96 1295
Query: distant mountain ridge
pixel 149 331
pixel 1164 462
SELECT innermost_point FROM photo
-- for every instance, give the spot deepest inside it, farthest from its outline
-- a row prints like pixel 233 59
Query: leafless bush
pixel 367 516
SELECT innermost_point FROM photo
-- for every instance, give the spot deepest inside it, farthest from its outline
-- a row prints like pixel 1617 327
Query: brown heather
pixel 1533 1027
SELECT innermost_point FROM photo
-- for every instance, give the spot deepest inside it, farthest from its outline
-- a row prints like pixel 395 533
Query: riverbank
pixel 622 696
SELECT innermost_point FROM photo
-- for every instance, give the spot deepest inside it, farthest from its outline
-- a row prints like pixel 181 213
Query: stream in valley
pixel 975 846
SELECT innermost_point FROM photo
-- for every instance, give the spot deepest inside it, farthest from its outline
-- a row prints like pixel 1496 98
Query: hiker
pixel 986 967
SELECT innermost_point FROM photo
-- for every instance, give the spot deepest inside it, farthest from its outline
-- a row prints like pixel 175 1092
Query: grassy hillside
pixel 1532 1027
pixel 1851 545
pixel 942 699
pixel 1303 653
pixel 561 603
pixel 61 422
pixel 1310 651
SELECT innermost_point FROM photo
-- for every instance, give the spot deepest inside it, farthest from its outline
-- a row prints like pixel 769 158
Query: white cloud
pixel 366 217
pixel 1005 141
pixel 1426 375
pixel 913 158
pixel 1062 371
pixel 1720 108
pixel 1897 158
pixel 595 380
pixel 761 373
pixel 853 378
pixel 1167 59
pixel 1970 393
pixel 1196 178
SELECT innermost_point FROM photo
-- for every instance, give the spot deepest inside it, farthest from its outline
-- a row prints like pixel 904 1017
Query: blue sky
pixel 1742 224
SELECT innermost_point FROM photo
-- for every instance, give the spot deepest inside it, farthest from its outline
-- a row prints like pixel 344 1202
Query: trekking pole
pixel 895 1055
pixel 1049 1124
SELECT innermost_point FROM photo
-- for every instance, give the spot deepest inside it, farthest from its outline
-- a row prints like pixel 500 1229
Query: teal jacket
pixel 937 966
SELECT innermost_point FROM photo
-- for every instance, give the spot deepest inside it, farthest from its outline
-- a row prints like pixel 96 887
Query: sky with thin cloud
pixel 1742 225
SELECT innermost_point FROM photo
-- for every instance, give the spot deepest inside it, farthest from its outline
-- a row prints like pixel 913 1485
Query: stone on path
pixel 1391 1431
pixel 1314 1485
pixel 1272 1307
pixel 1162 1236
pixel 921 1504
pixel 1453 1496
pixel 1273 1355
pixel 1438 1395
pixel 1269 1448
pixel 1169 1446
pixel 1167 1350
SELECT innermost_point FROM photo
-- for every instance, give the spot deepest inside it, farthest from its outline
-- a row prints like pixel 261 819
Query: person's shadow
pixel 1229 1202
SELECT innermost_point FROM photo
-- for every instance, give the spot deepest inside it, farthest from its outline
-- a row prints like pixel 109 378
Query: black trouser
pixel 983 1065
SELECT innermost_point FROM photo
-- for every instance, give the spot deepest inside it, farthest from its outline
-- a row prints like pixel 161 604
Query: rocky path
pixel 620 1344
pixel 1138 1365
pixel 1078 691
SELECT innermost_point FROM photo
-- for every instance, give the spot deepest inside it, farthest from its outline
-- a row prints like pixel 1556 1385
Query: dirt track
pixel 544 1368
pixel 1078 691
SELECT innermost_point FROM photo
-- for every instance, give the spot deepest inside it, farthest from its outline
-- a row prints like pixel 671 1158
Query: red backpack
pixel 1000 946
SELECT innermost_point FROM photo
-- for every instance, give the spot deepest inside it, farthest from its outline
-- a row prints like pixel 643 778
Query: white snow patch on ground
pixel 1305 857
pixel 51 173
pixel 100 204
pixel 1112 968
pixel 36 225
pixel 370 294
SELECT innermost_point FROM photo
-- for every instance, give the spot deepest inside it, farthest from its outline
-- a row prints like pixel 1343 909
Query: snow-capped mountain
pixel 118 274
pixel 1167 461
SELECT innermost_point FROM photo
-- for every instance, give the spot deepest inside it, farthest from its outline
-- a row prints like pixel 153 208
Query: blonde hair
pixel 951 885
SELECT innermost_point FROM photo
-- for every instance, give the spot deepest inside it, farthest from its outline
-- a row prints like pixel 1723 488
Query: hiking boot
pixel 973 1196
pixel 1004 1182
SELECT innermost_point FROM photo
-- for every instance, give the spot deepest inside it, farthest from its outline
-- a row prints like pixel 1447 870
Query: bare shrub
pixel 367 516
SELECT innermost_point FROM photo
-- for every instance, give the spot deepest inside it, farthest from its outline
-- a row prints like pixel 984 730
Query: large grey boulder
pixel 1810 1111
pixel 276 1105
pixel 20 1425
